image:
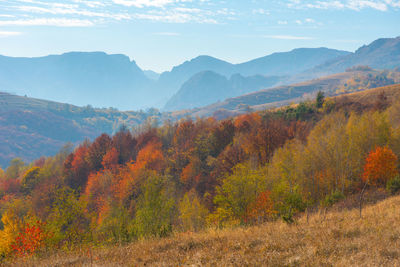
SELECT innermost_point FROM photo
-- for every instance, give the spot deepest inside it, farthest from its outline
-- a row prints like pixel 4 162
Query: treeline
pixel 190 175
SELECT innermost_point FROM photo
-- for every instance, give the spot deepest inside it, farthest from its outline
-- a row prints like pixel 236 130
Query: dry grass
pixel 339 239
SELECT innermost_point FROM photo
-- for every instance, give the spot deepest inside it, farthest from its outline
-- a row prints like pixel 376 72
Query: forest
pixel 195 174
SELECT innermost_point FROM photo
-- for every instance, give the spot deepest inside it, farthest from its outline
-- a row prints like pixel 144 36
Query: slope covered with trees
pixel 192 175
pixel 31 128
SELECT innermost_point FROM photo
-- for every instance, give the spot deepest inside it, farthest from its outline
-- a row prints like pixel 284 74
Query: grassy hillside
pixel 338 238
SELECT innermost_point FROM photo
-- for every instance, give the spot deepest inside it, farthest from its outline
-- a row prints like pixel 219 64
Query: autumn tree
pixel 31 238
pixel 155 209
pixel 236 195
pixel 380 166
pixel 125 144
pixel 12 225
pixel 97 150
pixel 262 208
pixel 77 167
pixel 67 220
pixel 110 159
pixel 192 213
pixel 30 180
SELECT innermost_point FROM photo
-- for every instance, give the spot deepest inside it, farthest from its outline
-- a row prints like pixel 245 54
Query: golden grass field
pixel 339 238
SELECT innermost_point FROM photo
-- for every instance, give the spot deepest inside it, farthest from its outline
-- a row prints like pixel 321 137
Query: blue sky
pixel 159 34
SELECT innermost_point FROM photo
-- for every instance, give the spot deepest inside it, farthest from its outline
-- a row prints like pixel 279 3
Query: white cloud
pixel 174 17
pixel 282 22
pixel 60 22
pixel 144 3
pixel 92 4
pixel 8 34
pixel 357 5
pixel 55 10
pixel 87 13
pixel 261 11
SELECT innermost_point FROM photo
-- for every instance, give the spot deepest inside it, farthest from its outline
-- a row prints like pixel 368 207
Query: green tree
pixel 30 180
pixel 236 195
pixel 320 99
pixel 155 209
pixel 15 168
pixel 67 220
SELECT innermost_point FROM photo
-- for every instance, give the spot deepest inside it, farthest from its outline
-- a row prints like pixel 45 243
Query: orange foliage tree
pixel 381 166
pixel 261 208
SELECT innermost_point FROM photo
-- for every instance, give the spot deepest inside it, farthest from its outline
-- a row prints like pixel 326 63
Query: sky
pixel 159 34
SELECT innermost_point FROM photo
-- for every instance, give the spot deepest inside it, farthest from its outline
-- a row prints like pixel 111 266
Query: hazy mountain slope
pixel 289 63
pixel 199 91
pixel 208 87
pixel 31 128
pixel 170 82
pixel 78 78
pixel 151 74
pixel 383 53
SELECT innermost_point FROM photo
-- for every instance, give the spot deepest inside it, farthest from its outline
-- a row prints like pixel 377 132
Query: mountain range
pixel 102 80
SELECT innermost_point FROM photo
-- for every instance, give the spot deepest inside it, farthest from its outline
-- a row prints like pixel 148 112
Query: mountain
pixel 383 53
pixel 207 87
pixel 31 128
pixel 170 82
pixel 277 64
pixel 298 65
pixel 78 78
pixel 289 63
pixel 151 74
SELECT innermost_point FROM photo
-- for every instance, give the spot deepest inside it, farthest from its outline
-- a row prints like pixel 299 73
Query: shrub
pixel 393 185
pixel 333 198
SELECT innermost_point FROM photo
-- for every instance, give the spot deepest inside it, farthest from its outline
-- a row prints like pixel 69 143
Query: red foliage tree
pixel 97 150
pixel 125 144
pixel 77 168
pixel 262 208
pixel 110 159
pixel 31 239
pixel 380 166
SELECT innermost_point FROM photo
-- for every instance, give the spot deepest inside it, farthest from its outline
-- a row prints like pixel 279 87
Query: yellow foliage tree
pixel 192 213
pixel 11 228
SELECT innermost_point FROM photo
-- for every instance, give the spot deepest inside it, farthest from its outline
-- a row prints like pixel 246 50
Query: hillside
pixel 31 128
pixel 383 53
pixel 283 95
pixel 340 238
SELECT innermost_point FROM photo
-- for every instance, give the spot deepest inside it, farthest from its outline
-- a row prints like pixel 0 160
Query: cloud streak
pixel 9 34
pixel 287 37
pixel 356 5
pixel 60 22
